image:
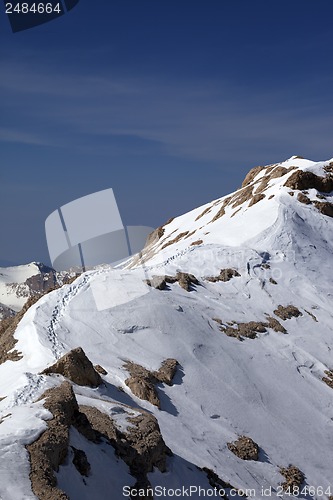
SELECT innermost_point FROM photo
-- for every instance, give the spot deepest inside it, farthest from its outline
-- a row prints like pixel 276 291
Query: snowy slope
pixel 269 388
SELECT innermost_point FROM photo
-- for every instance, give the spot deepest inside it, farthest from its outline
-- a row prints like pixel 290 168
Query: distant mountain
pixel 204 362
pixel 19 283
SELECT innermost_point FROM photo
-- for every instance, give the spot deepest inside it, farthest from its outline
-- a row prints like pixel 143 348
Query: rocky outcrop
pixel 329 378
pixel 244 448
pixel 287 312
pixel 302 180
pixel 324 207
pixel 302 198
pixel 141 447
pixel 251 329
pixel 167 371
pixel 142 381
pixel 251 175
pixel 50 449
pixel 76 367
pixel 294 477
pixel 185 280
pixel 7 329
pixel 225 275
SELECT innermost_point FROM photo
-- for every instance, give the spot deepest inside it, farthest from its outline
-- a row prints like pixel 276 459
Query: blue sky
pixel 170 103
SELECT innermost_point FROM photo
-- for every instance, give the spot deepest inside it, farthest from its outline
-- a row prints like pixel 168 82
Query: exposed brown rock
pixel 141 447
pixel 167 371
pixel 50 449
pixel 301 180
pixel 275 325
pixel 241 196
pixel 244 448
pixel 100 370
pixel 157 282
pixel 219 214
pixel 77 367
pixel 225 275
pixel 329 167
pixel 217 320
pixel 256 198
pixel 302 198
pixel 294 477
pixel 287 312
pixel 190 234
pixel 197 242
pixel 175 240
pixel 142 381
pixel 221 210
pixel 252 328
pixel 324 207
pixel 251 175
pixel 329 378
pixel 187 281
pixel 208 209
pixel 248 330
pixel 154 236
pixel 271 280
pixel 143 388
pixel 7 329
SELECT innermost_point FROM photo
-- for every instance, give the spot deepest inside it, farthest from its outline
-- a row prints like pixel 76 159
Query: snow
pixel 13 291
pixel 268 388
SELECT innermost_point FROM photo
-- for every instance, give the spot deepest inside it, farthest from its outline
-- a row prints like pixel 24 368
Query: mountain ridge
pixel 246 315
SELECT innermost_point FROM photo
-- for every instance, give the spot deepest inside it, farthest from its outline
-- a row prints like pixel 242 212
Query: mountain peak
pixel 270 198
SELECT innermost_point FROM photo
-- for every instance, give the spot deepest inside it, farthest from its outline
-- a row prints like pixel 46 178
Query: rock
pixel 225 275
pixel 287 312
pixel 77 367
pixel 157 282
pixel 80 462
pixel 167 371
pixel 302 180
pixel 7 329
pixel 186 281
pixel 142 381
pixel 302 198
pixel 256 198
pixel 143 388
pixel 50 449
pixel 245 448
pixel 294 477
pixel 324 207
pixel 251 175
pixel 100 370
pixel 175 240
pixel 141 447
pixel 329 378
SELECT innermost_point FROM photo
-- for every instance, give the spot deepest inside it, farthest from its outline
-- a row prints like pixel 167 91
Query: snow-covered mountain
pixel 19 283
pixel 204 362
